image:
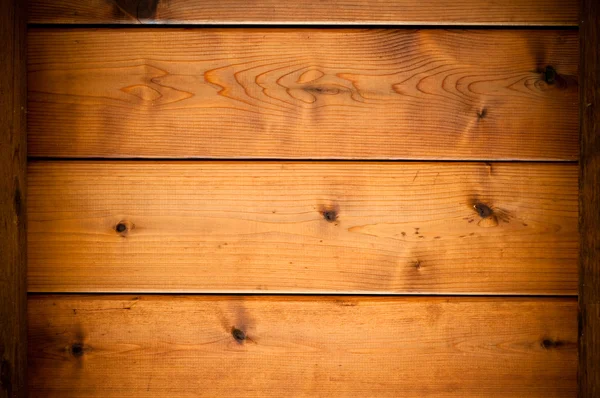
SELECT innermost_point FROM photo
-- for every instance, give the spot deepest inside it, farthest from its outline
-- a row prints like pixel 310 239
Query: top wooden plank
pixel 397 12
pixel 304 93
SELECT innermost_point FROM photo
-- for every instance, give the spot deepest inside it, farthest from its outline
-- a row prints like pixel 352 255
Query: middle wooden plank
pixel 303 93
pixel 346 227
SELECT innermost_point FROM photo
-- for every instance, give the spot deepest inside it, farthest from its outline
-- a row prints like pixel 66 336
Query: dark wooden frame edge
pixel 589 201
pixel 13 186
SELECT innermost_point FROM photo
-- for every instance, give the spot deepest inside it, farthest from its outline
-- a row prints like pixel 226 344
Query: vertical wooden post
pixel 589 201
pixel 13 162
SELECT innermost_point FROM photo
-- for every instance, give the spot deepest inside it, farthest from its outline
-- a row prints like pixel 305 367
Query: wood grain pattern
pixel 589 202
pixel 13 188
pixel 303 93
pixel 203 346
pixel 303 227
pixel 402 12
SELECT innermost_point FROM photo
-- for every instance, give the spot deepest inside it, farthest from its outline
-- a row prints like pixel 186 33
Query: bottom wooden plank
pixel 258 346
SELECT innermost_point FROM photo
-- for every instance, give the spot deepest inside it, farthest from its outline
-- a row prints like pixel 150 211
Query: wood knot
pixel 550 75
pixel 548 344
pixel 488 216
pixel 482 114
pixel 484 211
pixel 322 90
pixel 77 350
pixel 330 212
pixel 330 215
pixel 123 227
pixel 238 334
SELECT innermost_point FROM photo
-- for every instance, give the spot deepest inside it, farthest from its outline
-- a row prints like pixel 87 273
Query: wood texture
pixel 13 158
pixel 219 346
pixel 403 12
pixel 589 290
pixel 304 93
pixel 303 227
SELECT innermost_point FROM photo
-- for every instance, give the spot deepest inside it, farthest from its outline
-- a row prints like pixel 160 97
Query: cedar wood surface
pixel 589 291
pixel 120 106
pixel 397 12
pixel 304 93
pixel 221 346
pixel 13 158
pixel 381 227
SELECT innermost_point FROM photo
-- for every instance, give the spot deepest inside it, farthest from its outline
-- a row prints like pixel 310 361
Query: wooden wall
pixel 354 207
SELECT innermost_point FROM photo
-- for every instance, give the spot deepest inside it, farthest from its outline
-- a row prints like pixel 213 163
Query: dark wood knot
pixel 550 75
pixel 549 344
pixel 123 227
pixel 238 335
pixel 484 211
pixel 330 215
pixel 482 114
pixel 77 349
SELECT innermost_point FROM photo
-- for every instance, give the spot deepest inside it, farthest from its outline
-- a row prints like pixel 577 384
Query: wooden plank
pixel 270 346
pixel 589 203
pixel 13 164
pixel 303 227
pixel 307 12
pixel 304 93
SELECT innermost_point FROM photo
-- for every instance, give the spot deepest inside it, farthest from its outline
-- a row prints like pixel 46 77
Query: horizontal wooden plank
pixel 302 227
pixel 303 93
pixel 421 12
pixel 148 346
